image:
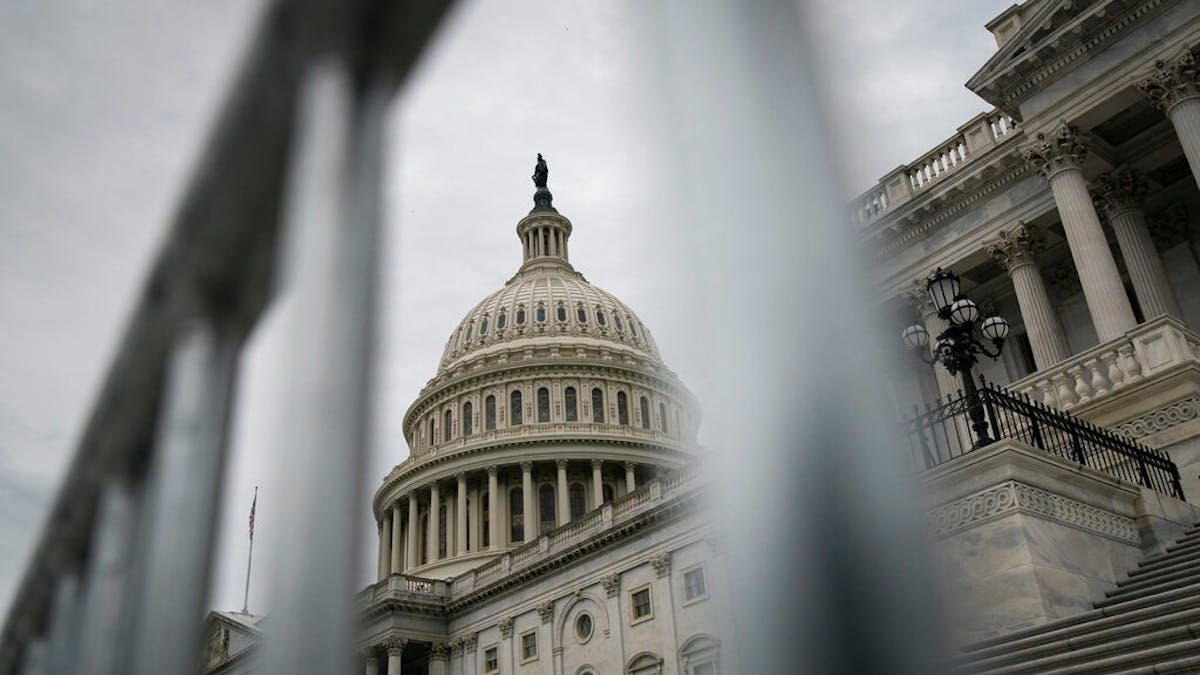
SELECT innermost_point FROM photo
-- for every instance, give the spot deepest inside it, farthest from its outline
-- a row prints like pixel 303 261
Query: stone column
pixel 414 524
pixel 461 526
pixel 372 665
pixel 630 478
pixel 439 655
pixel 564 505
pixel 1119 195
pixel 1014 250
pixel 435 530
pixel 597 483
pixel 917 295
pixel 493 509
pixel 476 520
pixel 385 546
pixel 530 519
pixel 396 564
pixel 395 650
pixel 1175 91
pixel 1059 158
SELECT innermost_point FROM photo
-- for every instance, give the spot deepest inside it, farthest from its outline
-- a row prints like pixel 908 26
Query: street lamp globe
pixel 915 336
pixel 994 328
pixel 964 311
pixel 943 288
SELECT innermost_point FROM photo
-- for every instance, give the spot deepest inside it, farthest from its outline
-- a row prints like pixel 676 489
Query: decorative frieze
pixel 1013 496
pixel 1173 81
pixel 1064 148
pixel 1160 420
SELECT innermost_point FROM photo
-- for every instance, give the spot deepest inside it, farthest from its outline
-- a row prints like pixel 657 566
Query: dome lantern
pixel 544 232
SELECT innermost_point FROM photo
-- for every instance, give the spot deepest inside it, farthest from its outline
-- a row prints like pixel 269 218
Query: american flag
pixel 253 505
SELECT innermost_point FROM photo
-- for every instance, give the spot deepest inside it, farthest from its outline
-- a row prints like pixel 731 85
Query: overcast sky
pixel 105 106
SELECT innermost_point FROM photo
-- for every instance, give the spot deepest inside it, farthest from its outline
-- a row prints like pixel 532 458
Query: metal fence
pixel 942 433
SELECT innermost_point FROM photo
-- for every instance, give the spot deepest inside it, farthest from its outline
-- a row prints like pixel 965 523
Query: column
pixel 527 502
pixel 385 546
pixel 451 532
pixel 395 650
pixel 1175 92
pixel 564 505
pixel 439 657
pixel 917 295
pixel 630 478
pixel 434 535
pixel 597 483
pixel 397 562
pixel 460 529
pixel 1059 158
pixel 493 509
pixel 1119 196
pixel 1015 250
pixel 372 665
pixel 476 519
pixel 414 524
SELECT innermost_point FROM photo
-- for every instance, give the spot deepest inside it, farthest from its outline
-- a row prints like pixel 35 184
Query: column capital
pixel 545 611
pixel 917 297
pixel 1173 81
pixel 461 477
pixel 492 471
pixel 630 466
pixel 611 583
pixel 1119 190
pixel 597 463
pixel 1015 246
pixel 469 640
pixel 395 646
pixel 506 626
pixel 1063 148
pixel 560 463
pixel 439 650
pixel 526 467
pixel 661 563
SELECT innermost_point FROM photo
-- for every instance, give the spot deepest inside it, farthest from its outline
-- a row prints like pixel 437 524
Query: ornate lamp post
pixel 956 347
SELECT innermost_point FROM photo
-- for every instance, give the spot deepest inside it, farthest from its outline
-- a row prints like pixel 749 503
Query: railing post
pixel 1176 481
pixel 919 430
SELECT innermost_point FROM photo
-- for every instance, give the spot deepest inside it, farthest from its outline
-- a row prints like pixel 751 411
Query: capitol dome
pixel 550 393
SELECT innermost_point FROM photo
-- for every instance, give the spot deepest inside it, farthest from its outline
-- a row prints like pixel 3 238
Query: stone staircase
pixel 1150 623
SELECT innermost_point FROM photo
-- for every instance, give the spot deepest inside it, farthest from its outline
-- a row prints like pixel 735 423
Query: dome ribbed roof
pixel 548 302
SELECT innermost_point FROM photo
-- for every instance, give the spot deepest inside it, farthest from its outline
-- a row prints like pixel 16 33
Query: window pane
pixel 693 583
pixel 540 314
pixel 561 313
pixel 645 410
pixel 608 493
pixel 466 419
pixel 502 320
pixel 662 415
pixel 489 413
pixel 641 603
pixel 597 405
pixel 578 502
pixel 546 507
pixel 571 404
pixel 448 427
pixel 485 519
pixel 516 506
pixel 617 322
pixel 622 408
pixel 581 315
pixel 521 316
pixel 543 401
pixel 600 317
pixel 515 416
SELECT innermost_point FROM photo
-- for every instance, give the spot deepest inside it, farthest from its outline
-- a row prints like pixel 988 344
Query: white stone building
pixel 548 517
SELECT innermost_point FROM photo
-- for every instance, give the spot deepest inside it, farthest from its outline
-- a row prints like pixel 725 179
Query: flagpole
pixel 250 558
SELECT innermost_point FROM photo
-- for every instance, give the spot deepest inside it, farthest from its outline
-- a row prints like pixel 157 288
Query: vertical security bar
pixel 183 489
pixel 331 220
pixel 105 581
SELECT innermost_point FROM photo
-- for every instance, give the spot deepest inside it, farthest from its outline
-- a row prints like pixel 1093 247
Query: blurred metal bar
pixel 184 486
pixel 36 659
pixel 105 582
pixel 330 275
pixel 64 624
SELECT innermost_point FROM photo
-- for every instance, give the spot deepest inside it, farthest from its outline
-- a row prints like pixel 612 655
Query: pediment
pixel 227 634
pixel 1055 35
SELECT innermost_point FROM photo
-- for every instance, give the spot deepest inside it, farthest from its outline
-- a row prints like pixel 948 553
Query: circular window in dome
pixel 583 627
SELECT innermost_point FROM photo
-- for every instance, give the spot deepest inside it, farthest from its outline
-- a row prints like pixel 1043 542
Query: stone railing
pixel 570 535
pixel 413 590
pixel 1150 349
pixel 905 182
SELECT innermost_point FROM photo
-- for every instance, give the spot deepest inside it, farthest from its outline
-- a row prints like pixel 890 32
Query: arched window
pixel 576 496
pixel 521 315
pixel 543 401
pixel 645 410
pixel 421 541
pixel 597 405
pixel 600 321
pixel 571 404
pixel 622 409
pixel 483 326
pixel 560 313
pixel 607 491
pixel 502 320
pixel 432 430
pixel 485 519
pixel 467 337
pixel 448 426
pixel 617 322
pixel 540 314
pixel 467 420
pixel 514 414
pixel 645 664
pixel 633 328
pixel 701 656
pixel 662 415
pixel 489 413
pixel 581 314
pixel 546 507
pixel 516 508
pixel 442 531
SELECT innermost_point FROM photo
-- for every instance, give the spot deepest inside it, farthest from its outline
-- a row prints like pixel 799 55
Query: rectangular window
pixel 640 601
pixel 529 646
pixel 491 661
pixel 694 587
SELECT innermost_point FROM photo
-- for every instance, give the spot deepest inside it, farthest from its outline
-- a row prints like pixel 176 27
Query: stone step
pixel 1177 657
pixel 1124 649
pixel 1063 630
pixel 1099 633
pixel 1154 579
pixel 1185 558
pixel 1153 584
pixel 1173 549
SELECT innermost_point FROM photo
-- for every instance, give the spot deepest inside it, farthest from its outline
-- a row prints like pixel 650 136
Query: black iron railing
pixel 942 433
